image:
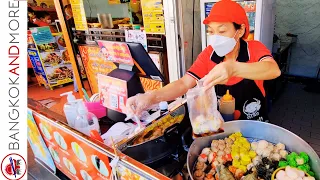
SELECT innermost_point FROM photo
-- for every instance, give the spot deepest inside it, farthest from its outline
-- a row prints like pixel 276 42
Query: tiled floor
pixel 299 112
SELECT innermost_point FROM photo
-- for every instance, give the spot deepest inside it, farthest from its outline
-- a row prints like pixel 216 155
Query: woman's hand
pixel 220 74
pixel 138 103
pixel 265 69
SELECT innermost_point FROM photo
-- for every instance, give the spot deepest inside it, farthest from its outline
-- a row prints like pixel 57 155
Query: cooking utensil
pixel 152 151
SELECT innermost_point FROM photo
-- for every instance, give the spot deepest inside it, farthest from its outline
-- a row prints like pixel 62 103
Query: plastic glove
pixel 138 103
pixel 136 120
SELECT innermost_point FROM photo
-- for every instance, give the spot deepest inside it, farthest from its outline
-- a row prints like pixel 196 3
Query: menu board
pixel 153 19
pixel 56 64
pixel 116 52
pixel 36 61
pixel 94 64
pixel 250 8
pixel 39 148
pixel 208 7
pixel 79 15
pixel 157 59
pixel 75 157
pixel 65 54
pixel 113 93
pixel 137 36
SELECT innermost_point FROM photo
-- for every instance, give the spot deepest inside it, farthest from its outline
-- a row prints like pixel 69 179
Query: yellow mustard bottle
pixel 227 106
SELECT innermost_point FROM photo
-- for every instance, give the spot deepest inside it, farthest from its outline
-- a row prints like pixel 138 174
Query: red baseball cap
pixel 228 11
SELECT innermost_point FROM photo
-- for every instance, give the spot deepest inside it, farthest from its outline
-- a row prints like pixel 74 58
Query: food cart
pixel 141 157
pixel 161 150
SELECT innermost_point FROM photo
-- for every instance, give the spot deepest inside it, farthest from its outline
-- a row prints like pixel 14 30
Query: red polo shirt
pixel 249 94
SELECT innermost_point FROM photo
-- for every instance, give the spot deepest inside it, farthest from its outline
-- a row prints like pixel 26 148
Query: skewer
pixel 114 147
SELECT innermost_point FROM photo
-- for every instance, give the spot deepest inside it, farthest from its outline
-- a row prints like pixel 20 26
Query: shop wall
pixel 186 8
pixel 94 7
pixel 301 17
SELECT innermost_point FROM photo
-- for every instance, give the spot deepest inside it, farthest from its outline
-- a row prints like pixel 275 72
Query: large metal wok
pixel 257 130
pixel 151 151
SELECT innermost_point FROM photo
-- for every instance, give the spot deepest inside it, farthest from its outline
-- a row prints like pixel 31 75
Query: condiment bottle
pixel 227 107
pixel 70 108
pixel 86 121
pixel 163 107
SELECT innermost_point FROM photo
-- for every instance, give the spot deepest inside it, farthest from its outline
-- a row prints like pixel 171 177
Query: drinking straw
pixel 86 96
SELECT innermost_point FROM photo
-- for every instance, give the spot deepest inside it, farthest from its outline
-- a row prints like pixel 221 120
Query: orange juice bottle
pixel 227 107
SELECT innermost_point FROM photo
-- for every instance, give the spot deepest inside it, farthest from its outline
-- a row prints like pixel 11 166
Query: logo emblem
pixel 13 167
pixel 252 109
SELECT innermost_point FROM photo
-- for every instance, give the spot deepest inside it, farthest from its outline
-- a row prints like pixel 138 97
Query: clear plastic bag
pixel 203 113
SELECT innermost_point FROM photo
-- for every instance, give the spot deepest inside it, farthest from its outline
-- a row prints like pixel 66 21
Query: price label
pixel 114 101
pixel 113 92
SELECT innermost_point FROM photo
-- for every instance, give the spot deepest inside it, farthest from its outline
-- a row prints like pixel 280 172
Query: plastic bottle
pixel 70 108
pixel 163 107
pixel 86 121
pixel 227 107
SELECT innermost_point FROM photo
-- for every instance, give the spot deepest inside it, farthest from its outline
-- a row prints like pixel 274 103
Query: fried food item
pixel 224 173
pixel 199 175
pixel 201 166
pixel 252 176
pixel 158 128
pixel 209 177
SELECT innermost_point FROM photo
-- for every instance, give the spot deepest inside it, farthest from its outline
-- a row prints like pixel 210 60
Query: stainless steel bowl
pixel 257 130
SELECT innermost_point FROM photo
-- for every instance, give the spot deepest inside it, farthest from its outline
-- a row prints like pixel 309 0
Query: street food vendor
pixel 228 63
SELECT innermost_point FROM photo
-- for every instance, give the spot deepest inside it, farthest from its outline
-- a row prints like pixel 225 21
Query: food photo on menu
pixel 60 141
pixel 59 73
pixel 78 151
pixel 50 47
pixel 51 59
pixel 65 56
pixel 100 165
pixel 85 175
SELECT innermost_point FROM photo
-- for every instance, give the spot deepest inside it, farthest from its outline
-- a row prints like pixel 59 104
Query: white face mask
pixel 222 45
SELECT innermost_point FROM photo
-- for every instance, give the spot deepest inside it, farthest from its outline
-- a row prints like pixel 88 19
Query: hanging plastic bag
pixel 203 113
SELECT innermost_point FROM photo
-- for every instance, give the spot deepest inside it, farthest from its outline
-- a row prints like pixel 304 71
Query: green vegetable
pixel 283 163
pixel 291 156
pixel 292 163
pixel 305 156
pixel 300 160
pixel 311 173
pixel 305 167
